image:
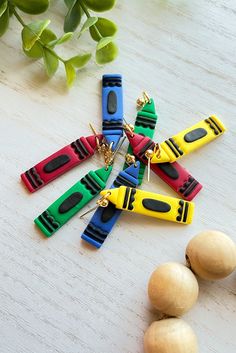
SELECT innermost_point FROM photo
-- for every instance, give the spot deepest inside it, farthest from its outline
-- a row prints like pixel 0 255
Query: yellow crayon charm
pixel 189 140
pixel 150 204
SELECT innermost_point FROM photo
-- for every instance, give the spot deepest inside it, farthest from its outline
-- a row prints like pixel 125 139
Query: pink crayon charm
pixel 177 177
pixel 60 162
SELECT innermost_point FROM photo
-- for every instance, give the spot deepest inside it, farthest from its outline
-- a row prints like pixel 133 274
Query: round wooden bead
pixel 211 255
pixel 173 289
pixel 170 336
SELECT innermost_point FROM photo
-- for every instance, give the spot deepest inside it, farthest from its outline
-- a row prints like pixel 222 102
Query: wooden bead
pixel 173 289
pixel 170 336
pixel 211 255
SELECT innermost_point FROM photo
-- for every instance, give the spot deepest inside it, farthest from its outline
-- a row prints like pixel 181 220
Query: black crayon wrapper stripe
pixel 185 212
pixel 131 199
pixel 180 211
pixel 112 81
pixel 215 123
pixel 95 233
pixel 191 188
pixel 33 178
pixel 120 180
pixel 172 148
pixel 46 224
pixel 91 184
pixel 145 122
pixel 80 149
pixel 127 191
pixel 176 146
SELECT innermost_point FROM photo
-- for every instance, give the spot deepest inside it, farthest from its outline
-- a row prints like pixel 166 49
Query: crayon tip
pixel 160 158
pixel 111 195
pixel 93 141
pixel 104 173
pixel 134 139
pixel 133 170
pixel 114 139
pixel 149 107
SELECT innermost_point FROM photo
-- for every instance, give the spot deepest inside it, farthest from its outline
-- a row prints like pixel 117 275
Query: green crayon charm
pixel 145 124
pixel 72 201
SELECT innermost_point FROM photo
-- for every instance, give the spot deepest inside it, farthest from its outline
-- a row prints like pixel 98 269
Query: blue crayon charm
pixel 104 218
pixel 112 109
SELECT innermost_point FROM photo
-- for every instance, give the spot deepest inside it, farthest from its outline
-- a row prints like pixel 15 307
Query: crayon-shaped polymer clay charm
pixel 176 176
pixel 105 218
pixel 151 204
pixel 112 109
pixel 145 124
pixel 189 140
pixel 60 162
pixel 73 200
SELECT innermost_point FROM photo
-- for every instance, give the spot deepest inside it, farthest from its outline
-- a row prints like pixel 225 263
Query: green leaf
pixel 106 54
pixel 67 36
pixel 69 3
pixel 87 24
pixel 32 32
pixel 36 51
pixel 79 61
pixel 32 6
pixel 103 42
pixel 3 6
pixel 70 73
pixel 51 62
pixel 106 28
pixel 73 18
pixel 99 5
pixel 4 22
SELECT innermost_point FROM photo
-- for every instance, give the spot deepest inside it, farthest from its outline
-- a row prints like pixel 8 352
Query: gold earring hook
pixel 110 155
pixel 130 128
pixel 148 154
pixel 102 202
pixel 96 137
pixel 141 101
pixel 130 159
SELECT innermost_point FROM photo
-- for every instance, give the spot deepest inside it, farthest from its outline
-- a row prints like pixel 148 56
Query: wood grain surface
pixel 58 295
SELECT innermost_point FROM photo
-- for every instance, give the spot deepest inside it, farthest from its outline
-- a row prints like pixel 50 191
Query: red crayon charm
pixel 60 162
pixel 177 177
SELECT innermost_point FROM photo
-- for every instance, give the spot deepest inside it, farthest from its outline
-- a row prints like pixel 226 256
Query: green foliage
pixel 3 7
pixel 40 42
pixel 69 2
pixel 57 41
pixel 80 61
pixel 47 37
pixel 73 17
pixel 32 32
pixel 51 61
pixel 33 7
pixel 99 5
pixel 103 42
pixel 70 73
pixel 106 54
pixel 4 20
pixel 105 27
pixel 90 22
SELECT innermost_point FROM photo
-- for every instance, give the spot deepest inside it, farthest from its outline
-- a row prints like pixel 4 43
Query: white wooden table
pixel 57 295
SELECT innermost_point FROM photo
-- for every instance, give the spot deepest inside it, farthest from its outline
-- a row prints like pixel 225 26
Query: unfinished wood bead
pixel 170 336
pixel 211 255
pixel 173 289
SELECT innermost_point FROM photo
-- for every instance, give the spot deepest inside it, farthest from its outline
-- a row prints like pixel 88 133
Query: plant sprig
pixel 40 42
